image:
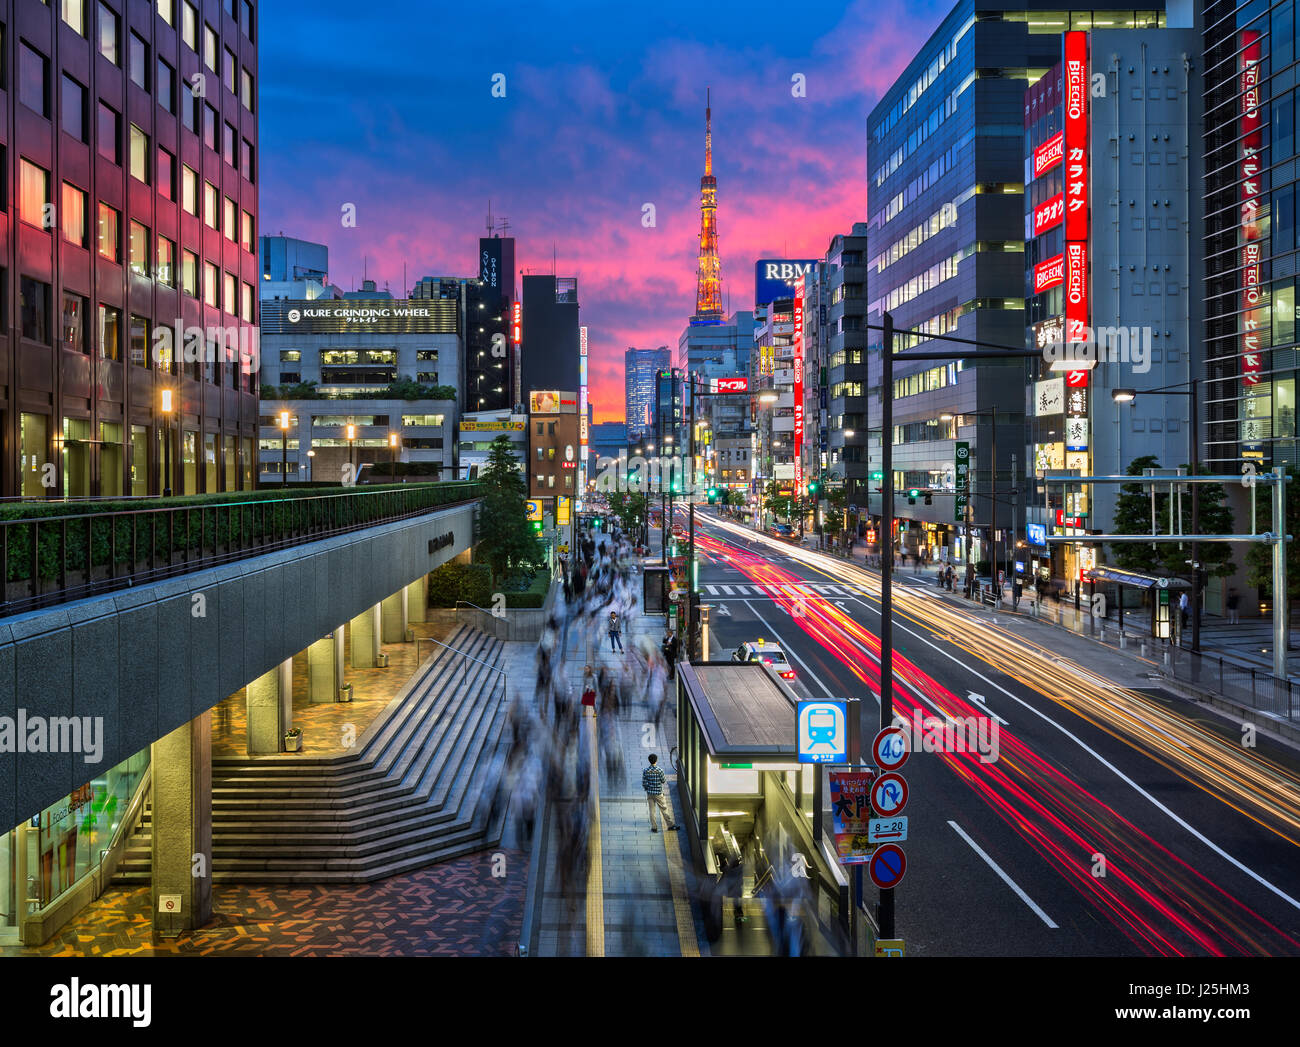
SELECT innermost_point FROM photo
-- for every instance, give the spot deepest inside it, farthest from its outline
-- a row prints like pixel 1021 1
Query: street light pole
pixel 885 912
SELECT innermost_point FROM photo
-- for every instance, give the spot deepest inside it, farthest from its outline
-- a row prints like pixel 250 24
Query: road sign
pixel 853 509
pixel 889 947
pixel 888 794
pixel 850 813
pixel 822 732
pixel 890 749
pixel 887 866
pixel 534 507
pixel 887 830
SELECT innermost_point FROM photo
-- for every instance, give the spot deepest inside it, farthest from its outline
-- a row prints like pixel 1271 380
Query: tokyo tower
pixel 708 287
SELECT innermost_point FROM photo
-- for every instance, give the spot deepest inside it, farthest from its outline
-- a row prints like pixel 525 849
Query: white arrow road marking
pixel 724 610
pixel 978 699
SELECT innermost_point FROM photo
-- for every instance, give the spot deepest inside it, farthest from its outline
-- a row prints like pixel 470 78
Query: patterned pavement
pixel 457 908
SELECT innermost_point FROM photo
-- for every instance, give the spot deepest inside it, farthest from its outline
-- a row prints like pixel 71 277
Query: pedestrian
pixel 1016 593
pixel 1234 600
pixel 652 781
pixel 1183 613
pixel 671 647
pixel 588 687
pixel 615 633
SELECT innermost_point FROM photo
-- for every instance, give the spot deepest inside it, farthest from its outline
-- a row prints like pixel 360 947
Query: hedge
pixel 452 581
pixel 234 519
pixel 534 595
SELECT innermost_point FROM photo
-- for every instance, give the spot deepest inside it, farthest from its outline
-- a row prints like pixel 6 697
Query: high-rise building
pixel 491 355
pixel 132 226
pixel 551 341
pixel 847 426
pixel 293 268
pixel 639 369
pixel 1250 236
pixel 946 234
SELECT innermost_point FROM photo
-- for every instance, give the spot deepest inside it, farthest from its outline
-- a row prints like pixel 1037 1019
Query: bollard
pixel 1144 648
pixel 1101 632
pixel 1166 656
pixel 1123 641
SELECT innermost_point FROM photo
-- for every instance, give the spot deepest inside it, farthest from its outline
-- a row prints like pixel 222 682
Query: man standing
pixel 615 633
pixel 652 781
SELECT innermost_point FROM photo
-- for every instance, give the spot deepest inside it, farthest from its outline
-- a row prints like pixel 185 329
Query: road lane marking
pixel 799 661
pixel 1004 877
pixel 595 867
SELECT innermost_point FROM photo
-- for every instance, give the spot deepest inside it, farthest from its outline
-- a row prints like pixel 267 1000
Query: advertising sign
pixel 1252 359
pixel 353 316
pixel 822 733
pixel 797 342
pixel 1049 273
pixel 776 277
pixel 1048 216
pixel 961 478
pixel 1076 136
pixel 493 427
pixel 1049 154
pixel 551 401
pixel 731 385
pixel 1049 397
pixel 489 263
pixel 1036 534
pixel 1076 434
pixel 851 814
pixel 517 323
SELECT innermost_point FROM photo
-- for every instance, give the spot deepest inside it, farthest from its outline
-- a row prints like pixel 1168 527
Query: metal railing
pixel 511 623
pixel 54 557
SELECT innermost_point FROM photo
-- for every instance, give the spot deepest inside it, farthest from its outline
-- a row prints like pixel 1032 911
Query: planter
pixel 293 742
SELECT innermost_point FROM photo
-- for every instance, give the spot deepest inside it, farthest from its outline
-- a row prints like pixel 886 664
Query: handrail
pixel 455 650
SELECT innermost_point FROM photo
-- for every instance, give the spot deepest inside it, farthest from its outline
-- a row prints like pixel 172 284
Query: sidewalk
pixel 639 894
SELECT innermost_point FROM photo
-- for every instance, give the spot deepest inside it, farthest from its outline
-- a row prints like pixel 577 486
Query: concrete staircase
pixel 414 791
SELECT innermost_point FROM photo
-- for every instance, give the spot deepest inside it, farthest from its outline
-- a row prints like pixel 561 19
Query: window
pixel 190 190
pixel 109 133
pixel 209 47
pixel 109 244
pixel 211 284
pixel 137 61
pixel 166 262
pixel 165 175
pixel 139 341
pixel 33 70
pixel 246 160
pixel 231 71
pixel 229 5
pixel 190 273
pixel 245 230
pixel 189 107
pixel 210 205
pixel 73 108
pixel 72 330
pixel 108 34
pixel 190 26
pixel 110 332
pixel 228 219
pixel 210 127
pixel 76 220
pixel 246 21
pixel 246 89
pixel 246 302
pixel 74 13
pixel 167 11
pixel 165 86
pixel 33 194
pixel 228 144
pixel 35 305
pixel 139 154
pixel 228 301
pixel 138 249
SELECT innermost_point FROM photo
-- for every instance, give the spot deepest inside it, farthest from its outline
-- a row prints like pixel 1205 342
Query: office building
pixel 639 369
pixel 132 220
pixel 550 338
pixel 491 364
pixel 479 429
pixel 293 268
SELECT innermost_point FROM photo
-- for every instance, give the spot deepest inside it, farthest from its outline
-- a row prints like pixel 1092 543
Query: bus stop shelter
pixel 1162 605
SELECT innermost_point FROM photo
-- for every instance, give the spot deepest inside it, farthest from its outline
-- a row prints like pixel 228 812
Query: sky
pixel 388 106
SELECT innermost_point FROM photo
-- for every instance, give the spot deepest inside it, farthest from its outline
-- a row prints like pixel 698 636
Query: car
pixel 767 653
pixel 781 530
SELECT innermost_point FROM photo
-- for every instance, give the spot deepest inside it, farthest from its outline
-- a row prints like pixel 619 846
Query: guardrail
pixel 51 554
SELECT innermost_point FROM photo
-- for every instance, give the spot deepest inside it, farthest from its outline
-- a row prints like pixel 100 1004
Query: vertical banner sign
pixel 961 479
pixel 1076 195
pixel 1252 361
pixel 517 324
pixel 582 409
pixel 798 387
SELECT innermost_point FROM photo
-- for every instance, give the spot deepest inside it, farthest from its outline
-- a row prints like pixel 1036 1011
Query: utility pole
pixel 885 912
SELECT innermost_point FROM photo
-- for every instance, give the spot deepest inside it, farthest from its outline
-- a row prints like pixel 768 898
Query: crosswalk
pixel 780 592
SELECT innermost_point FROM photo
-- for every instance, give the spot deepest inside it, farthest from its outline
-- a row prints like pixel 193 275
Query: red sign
pixel 888 865
pixel 1076 291
pixel 851 814
pixel 1049 273
pixel 1252 360
pixel 733 385
pixel 798 387
pixel 1049 154
pixel 517 324
pixel 1068 521
pixel 889 794
pixel 1048 216
pixel 1076 136
pixel 890 750
pixel 1076 379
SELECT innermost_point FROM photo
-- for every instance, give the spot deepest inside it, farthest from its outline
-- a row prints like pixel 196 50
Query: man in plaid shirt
pixel 652 781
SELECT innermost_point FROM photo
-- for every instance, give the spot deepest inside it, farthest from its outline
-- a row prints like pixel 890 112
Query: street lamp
pixel 351 433
pixel 310 455
pixel 1128 396
pixel 167 442
pixel 392 448
pixel 284 448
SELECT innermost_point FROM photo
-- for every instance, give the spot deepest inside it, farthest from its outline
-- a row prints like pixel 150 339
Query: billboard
pixel 797 342
pixel 359 316
pixel 1049 273
pixel 490 264
pixel 776 277
pixel 1049 215
pixel 1252 316
pixel 551 401
pixel 1049 154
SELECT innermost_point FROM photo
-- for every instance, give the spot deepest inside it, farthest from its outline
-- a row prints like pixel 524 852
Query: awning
pixel 1134 578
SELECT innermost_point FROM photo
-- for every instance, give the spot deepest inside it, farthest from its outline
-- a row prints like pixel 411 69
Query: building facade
pixel 131 226
pixel 550 337
pixel 639 369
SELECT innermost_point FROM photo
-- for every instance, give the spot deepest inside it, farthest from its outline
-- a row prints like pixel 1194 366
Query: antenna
pixel 489 217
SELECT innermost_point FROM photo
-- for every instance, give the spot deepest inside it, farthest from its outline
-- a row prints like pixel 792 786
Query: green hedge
pixel 218 518
pixel 459 581
pixel 534 595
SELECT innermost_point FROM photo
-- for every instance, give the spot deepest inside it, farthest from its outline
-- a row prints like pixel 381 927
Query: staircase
pixel 414 792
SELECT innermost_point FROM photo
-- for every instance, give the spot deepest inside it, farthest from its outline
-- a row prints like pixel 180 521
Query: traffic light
pixel 877 476
pixel 713 495
pixel 813 488
pixel 597 522
pixel 912 495
pixel 929 498
pixel 537 526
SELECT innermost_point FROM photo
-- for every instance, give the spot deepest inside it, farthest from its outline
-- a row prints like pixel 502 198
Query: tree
pixel 775 502
pixel 506 539
pixel 1259 558
pixel 631 508
pixel 833 514
pixel 1133 516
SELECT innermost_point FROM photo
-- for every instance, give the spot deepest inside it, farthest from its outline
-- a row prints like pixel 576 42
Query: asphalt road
pixel 1114 821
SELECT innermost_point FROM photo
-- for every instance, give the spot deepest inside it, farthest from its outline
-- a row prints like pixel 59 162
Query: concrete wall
pixel 152 658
